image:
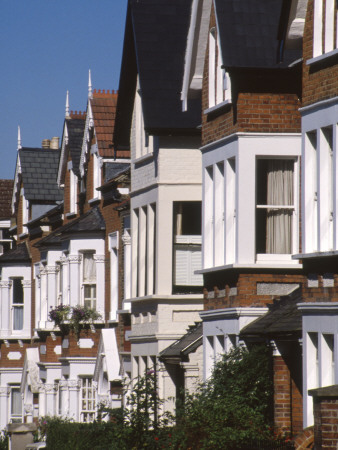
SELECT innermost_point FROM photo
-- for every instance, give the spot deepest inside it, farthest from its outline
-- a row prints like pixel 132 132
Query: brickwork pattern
pixel 326 423
pixel 241 289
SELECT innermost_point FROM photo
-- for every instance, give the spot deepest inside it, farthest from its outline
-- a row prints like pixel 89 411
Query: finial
pixel 67 105
pixel 90 89
pixel 19 138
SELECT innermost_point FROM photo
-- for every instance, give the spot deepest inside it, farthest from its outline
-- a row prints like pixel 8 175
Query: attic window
pixel 219 80
pixel 325 34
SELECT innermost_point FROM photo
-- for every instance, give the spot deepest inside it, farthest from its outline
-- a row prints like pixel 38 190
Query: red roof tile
pixel 104 109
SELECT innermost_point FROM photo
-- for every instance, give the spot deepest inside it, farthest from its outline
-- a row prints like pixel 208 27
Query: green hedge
pixel 80 436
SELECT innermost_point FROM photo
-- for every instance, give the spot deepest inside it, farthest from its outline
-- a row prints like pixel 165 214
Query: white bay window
pixel 250 201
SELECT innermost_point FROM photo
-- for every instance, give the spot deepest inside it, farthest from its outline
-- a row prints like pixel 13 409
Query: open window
pixel 17 303
pixel 89 280
pixel 187 243
pixel 275 207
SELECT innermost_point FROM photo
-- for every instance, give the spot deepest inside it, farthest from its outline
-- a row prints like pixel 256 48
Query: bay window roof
pixel 282 318
pixel 18 254
pixel 90 222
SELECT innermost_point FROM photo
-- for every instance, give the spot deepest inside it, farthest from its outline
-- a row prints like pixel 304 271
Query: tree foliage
pixel 230 411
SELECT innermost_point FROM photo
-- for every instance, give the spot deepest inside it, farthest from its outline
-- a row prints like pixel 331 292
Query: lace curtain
pixel 279 220
pixel 89 268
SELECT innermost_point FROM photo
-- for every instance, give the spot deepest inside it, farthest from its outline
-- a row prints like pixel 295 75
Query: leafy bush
pixel 232 407
pixel 230 411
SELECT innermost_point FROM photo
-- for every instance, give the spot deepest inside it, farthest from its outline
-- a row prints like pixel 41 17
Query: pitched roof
pixel 6 188
pixel 188 343
pixel 75 127
pixel 252 33
pixel 18 254
pixel 283 318
pixel 39 171
pixel 113 170
pixel 91 221
pixel 104 108
pixel 154 48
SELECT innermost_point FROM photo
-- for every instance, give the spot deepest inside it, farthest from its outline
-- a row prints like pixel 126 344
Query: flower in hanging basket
pixel 82 315
pixel 59 314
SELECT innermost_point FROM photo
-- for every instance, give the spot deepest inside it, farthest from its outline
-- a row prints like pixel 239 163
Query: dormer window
pixel 96 175
pixel 219 80
pixel 25 213
pixel 73 192
pixel 324 25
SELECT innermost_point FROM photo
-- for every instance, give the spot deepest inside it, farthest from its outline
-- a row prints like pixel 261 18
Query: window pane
pixel 16 402
pixel 17 290
pixel 274 186
pixel 89 268
pixel 17 317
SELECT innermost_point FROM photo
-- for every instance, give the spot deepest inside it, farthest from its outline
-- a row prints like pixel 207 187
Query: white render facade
pixel 319 178
pixel 165 177
pixel 320 350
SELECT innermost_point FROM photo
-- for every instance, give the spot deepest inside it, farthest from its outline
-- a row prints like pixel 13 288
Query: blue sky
pixel 47 48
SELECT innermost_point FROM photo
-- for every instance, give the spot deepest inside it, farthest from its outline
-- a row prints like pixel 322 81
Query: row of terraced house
pixel 194 210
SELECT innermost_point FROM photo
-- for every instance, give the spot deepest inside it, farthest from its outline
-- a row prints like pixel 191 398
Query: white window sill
pixel 322 57
pixel 259 265
pixel 93 200
pixel 315 254
pixel 143 158
pixel 70 215
pixel 217 107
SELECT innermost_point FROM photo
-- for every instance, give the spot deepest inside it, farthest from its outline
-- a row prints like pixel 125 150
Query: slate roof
pixel 6 189
pixel 75 128
pixel 92 221
pixel 154 48
pixel 251 33
pixel 283 318
pixel 39 173
pixel 104 110
pixel 186 345
pixel 113 170
pixel 18 254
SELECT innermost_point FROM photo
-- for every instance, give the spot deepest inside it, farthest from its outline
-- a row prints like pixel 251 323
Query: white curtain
pixel 89 268
pixel 17 317
pixel 179 220
pixel 279 220
pixel 16 407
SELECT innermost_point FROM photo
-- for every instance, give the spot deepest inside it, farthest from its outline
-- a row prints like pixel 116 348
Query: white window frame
pixel 278 256
pixel 73 192
pixel 15 306
pixel 87 402
pixel 324 24
pixel 14 418
pixel 219 83
pixel 114 273
pixel 84 284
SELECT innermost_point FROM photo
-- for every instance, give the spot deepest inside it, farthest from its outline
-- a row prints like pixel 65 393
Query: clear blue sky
pixel 47 48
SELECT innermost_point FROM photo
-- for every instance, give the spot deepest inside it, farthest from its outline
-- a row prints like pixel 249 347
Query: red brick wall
pixel 246 284
pixel 288 402
pixel 326 423
pixel 256 110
